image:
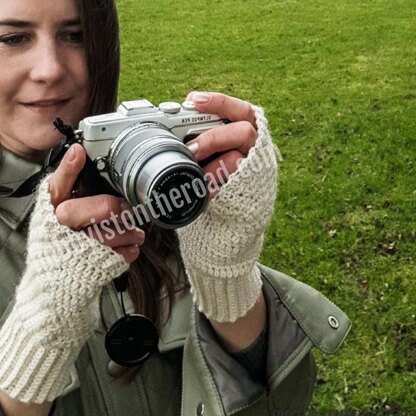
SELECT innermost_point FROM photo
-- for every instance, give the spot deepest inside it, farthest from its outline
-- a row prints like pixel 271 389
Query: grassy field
pixel 338 83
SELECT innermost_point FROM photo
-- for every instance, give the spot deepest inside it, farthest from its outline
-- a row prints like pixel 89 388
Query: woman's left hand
pixel 220 248
pixel 231 141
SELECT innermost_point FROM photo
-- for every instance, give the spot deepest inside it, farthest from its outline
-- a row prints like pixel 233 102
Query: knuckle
pixel 133 237
pixel 248 111
pixel 134 258
pixel 64 212
pixel 63 173
pixel 108 205
pixel 128 254
pixel 247 132
pixel 234 156
pixel 222 98
pixel 210 138
pixel 248 129
pixel 234 160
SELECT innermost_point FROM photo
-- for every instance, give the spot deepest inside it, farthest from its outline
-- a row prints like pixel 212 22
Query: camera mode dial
pixel 170 107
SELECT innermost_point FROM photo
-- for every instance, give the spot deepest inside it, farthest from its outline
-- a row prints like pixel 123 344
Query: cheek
pixel 81 88
pixel 81 75
pixel 9 80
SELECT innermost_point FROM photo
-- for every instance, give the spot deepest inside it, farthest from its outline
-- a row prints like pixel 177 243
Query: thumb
pixel 62 181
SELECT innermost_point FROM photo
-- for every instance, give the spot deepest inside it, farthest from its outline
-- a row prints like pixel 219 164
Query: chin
pixel 43 143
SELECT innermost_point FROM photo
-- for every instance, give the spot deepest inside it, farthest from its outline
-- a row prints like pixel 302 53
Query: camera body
pixel 141 150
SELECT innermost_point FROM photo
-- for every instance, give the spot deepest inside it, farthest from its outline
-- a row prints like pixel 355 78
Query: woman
pixel 250 326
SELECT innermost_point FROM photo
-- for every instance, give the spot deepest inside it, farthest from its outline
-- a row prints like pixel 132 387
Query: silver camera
pixel 141 151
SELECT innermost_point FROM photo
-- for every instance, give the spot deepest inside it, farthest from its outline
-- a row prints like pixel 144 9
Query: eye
pixel 13 40
pixel 76 37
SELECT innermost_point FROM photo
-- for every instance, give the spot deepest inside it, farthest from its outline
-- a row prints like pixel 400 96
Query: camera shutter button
pixel 170 107
pixel 189 105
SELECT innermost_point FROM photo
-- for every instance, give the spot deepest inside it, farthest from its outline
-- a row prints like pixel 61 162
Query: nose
pixel 48 64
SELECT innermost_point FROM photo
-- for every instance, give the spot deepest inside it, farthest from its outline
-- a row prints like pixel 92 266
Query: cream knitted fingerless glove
pixel 57 305
pixel 221 247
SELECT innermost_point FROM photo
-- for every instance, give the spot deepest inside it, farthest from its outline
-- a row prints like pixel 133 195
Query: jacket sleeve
pixel 226 386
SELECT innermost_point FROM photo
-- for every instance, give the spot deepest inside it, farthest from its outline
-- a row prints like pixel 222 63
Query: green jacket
pixel 190 374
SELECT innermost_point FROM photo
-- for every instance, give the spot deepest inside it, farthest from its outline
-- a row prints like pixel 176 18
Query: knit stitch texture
pixel 57 305
pixel 221 247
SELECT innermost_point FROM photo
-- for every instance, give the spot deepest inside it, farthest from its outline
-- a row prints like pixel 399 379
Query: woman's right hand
pixel 57 302
pixel 83 213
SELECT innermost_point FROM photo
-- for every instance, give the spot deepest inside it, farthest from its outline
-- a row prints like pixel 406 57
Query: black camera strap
pixel 55 154
pixel 29 185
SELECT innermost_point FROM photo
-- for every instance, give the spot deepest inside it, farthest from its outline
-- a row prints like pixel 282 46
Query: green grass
pixel 338 83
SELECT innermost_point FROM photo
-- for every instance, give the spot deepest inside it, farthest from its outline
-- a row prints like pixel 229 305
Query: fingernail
pixel 140 232
pixel 193 147
pixel 125 206
pixel 133 249
pixel 200 97
pixel 71 154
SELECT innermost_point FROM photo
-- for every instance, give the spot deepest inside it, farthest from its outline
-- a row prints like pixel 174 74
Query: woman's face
pixel 43 73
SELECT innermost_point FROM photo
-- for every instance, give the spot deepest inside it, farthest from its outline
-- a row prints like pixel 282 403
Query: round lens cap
pixel 131 340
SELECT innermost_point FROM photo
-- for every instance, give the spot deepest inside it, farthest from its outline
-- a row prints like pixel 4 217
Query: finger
pixel 81 212
pixel 239 136
pixel 226 107
pixel 130 253
pixel 114 237
pixel 219 170
pixel 62 180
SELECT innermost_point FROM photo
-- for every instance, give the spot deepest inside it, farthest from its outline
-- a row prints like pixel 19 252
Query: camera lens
pixel 157 173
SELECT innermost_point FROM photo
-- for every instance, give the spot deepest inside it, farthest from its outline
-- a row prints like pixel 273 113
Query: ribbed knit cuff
pixel 226 300
pixel 29 371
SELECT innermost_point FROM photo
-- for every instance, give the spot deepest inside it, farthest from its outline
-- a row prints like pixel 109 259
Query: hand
pixel 57 302
pixel 220 248
pixel 232 141
pixel 82 213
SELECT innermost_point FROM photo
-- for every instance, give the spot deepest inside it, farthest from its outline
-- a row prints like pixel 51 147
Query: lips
pixel 47 107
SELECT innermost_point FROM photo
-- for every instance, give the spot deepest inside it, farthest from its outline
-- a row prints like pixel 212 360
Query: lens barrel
pixel 158 175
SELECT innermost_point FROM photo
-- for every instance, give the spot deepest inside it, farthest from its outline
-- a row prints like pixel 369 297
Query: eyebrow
pixel 29 24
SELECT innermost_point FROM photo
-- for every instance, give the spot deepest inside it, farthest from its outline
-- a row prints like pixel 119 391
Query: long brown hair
pixel 150 273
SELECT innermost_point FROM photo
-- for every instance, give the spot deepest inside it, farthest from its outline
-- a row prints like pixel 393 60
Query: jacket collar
pixel 13 172
pixel 323 322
